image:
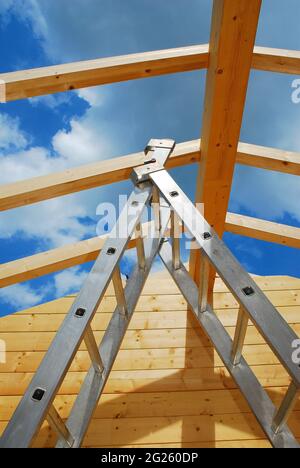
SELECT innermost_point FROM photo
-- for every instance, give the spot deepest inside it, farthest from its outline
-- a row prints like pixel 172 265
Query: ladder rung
pixel 90 342
pixel 239 338
pixel 203 285
pixel 285 409
pixel 175 236
pixel 119 291
pixel 59 426
pixel 140 248
pixel 156 208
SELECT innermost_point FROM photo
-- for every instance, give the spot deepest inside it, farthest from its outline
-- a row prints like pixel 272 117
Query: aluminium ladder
pixel 153 183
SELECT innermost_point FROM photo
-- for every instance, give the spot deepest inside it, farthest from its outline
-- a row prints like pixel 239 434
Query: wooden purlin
pixel 44 263
pixel 263 230
pixel 59 78
pixel 109 171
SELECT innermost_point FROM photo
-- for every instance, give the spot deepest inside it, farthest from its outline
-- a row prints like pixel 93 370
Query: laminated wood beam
pixel 233 33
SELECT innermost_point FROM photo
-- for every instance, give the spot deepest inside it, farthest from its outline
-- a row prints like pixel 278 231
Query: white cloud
pixel 95 97
pixel 53 223
pixel 11 137
pixel 20 296
pixel 84 143
pixel 77 28
pixel 26 164
pixel 51 101
pixel 29 11
pixel 69 281
pixel 58 221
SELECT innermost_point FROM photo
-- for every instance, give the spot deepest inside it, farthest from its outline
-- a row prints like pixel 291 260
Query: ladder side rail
pixel 34 406
pixel 92 388
pixel 275 330
pixel 257 398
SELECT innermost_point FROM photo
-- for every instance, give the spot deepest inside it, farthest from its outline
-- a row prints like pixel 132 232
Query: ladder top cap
pixel 162 143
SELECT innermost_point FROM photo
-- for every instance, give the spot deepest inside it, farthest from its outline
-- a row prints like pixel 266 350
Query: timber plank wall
pixel 168 387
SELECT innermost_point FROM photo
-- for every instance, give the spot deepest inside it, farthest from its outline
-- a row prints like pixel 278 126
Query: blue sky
pixel 51 133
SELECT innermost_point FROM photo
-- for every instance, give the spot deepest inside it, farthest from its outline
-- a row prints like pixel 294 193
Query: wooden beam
pixel 276 60
pixel 85 251
pixel 272 159
pixel 264 230
pixel 233 32
pixel 118 169
pixel 58 78
pixel 85 177
pixel 45 263
pixel 54 260
pixel 54 79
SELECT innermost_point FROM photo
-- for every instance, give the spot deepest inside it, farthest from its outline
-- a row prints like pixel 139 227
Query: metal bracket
pixel 157 152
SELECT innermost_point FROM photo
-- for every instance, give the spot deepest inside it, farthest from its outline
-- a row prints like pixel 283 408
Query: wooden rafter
pixel 118 169
pixel 233 33
pixel 58 78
